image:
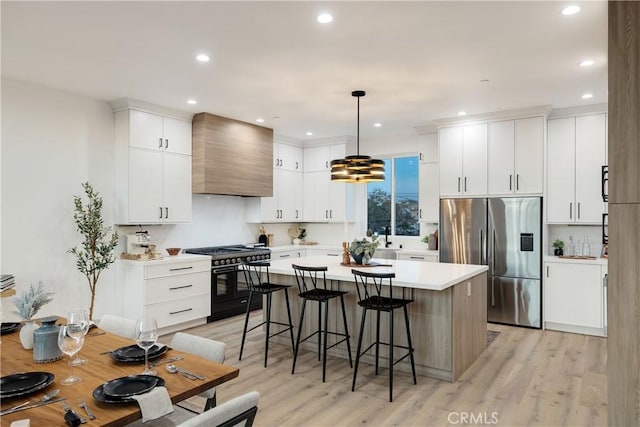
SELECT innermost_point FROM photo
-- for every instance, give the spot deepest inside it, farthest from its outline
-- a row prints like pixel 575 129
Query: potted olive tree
pixel 96 251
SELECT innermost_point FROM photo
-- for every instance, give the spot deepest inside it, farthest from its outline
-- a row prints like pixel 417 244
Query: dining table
pixel 99 369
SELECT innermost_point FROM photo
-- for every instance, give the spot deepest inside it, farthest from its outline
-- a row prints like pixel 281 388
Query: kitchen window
pixel 401 187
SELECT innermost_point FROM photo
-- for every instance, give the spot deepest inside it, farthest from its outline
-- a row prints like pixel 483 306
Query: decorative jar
pixel 45 339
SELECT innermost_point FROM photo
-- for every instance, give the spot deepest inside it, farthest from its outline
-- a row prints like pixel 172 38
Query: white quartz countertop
pixel 411 274
pixel 167 259
pixel 599 261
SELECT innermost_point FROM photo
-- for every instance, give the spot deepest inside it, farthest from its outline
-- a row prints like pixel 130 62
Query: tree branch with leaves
pixel 95 254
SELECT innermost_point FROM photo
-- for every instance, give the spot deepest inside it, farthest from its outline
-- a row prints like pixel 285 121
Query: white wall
pixel 53 141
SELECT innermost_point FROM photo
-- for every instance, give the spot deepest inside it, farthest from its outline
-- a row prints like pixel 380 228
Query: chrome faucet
pixel 387 233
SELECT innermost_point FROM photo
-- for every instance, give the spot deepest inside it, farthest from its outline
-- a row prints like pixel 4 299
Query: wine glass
pixel 70 340
pixel 146 336
pixel 78 317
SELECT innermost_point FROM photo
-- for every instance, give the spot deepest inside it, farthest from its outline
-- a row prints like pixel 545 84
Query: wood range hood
pixel 231 157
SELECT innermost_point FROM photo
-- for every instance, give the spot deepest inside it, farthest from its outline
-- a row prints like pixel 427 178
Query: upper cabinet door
pixel 144 204
pixel 428 148
pixel 500 157
pixel 289 157
pixel 145 130
pixel 177 136
pixel 590 157
pixel 450 148
pixel 529 155
pixel 561 170
pixel 474 163
pixel 176 195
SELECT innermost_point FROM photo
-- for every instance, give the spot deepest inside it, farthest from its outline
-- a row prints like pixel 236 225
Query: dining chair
pixel 240 410
pixel 237 411
pixel 205 348
pixel 118 325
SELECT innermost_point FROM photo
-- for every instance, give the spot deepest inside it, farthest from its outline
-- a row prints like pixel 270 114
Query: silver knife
pixel 35 405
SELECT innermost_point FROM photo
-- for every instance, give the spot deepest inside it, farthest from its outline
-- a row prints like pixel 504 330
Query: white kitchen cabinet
pixel 326 201
pixel 152 168
pixel 176 291
pixel 286 203
pixel 277 254
pixel 428 193
pixel 574 297
pixel 463 160
pixel 428 257
pixel 153 131
pixel 515 156
pixel 576 153
pixel 287 157
pixel 428 148
pixel 318 158
pixel 311 251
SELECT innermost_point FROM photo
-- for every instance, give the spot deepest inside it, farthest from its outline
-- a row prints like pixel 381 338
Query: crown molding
pixel 579 110
pixel 520 113
pixel 283 139
pixel 421 130
pixel 136 104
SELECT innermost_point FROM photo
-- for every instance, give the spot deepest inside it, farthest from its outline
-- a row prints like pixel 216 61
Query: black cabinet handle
pixel 181 268
pixel 570 210
pixel 166 212
pixel 605 234
pixel 166 143
pixel 465 184
pixel 181 311
pixel 517 182
pixel 160 212
pixel 416 257
pixel 180 287
pixel 458 184
pixel 605 180
pixel 510 180
pixel 160 143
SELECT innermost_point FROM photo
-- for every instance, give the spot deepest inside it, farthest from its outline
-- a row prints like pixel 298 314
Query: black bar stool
pixel 312 283
pixel 256 274
pixel 372 288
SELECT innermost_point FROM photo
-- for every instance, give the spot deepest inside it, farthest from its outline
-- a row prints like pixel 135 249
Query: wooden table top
pixel 98 370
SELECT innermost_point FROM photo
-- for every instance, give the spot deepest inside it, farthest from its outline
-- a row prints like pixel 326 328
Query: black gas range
pixel 229 292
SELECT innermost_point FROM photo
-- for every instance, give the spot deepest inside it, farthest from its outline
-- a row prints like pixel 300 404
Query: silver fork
pixel 84 406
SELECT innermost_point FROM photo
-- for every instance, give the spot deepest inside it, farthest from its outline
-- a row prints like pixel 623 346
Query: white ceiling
pixel 418 61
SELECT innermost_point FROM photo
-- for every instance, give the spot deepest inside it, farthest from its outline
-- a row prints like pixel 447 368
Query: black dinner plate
pixel 129 386
pixel 24 383
pixel 134 354
pixel 7 328
pixel 100 395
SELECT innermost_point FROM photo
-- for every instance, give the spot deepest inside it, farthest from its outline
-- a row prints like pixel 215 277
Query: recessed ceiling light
pixel 324 18
pixel 192 101
pixel 587 96
pixel 462 113
pixel 260 120
pixel 571 10
pixel 309 133
pixel 586 63
pixel 203 58
pixel 377 125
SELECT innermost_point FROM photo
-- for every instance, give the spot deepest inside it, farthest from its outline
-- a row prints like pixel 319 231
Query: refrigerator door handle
pixel 493 294
pixel 493 254
pixel 482 262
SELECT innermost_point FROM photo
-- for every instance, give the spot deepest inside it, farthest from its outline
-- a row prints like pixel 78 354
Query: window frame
pixel 392 174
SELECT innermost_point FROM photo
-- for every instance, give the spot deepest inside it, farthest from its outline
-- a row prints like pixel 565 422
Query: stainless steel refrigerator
pixel 506 235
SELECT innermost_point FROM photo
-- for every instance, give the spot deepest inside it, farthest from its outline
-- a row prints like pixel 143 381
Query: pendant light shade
pixel 357 169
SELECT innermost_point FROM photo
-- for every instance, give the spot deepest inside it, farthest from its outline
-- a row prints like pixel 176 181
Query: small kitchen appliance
pixel 138 243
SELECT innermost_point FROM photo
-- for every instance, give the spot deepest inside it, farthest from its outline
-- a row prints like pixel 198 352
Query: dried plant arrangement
pixel 29 302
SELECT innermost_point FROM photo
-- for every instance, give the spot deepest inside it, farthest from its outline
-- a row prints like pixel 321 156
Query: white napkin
pixel 154 404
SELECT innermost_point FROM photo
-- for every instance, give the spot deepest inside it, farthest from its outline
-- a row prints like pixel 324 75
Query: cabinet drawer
pixel 172 269
pixel 423 258
pixel 179 286
pixel 179 311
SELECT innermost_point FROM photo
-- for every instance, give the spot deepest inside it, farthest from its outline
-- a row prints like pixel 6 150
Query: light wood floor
pixel 525 377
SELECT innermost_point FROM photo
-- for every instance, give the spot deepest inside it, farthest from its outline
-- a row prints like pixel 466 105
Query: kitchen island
pixel 448 316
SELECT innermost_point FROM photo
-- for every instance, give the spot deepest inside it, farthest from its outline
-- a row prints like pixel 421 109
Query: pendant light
pixel 357 169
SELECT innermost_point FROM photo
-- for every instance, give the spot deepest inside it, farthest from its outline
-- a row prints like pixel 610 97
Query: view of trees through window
pixel 401 187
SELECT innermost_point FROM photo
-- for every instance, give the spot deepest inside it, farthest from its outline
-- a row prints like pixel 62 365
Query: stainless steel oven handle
pixel 223 270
